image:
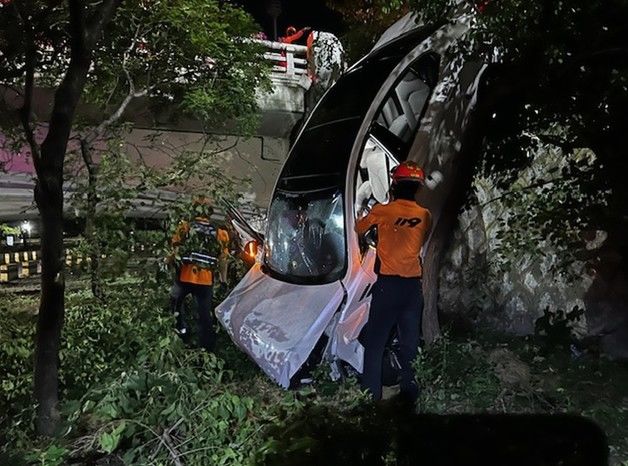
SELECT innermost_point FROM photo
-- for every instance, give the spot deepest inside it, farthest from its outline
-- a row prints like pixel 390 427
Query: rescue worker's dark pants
pixel 397 301
pixel 203 296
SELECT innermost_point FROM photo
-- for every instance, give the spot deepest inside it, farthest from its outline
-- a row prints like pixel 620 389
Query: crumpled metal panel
pixel 355 313
pixel 347 347
pixel 278 323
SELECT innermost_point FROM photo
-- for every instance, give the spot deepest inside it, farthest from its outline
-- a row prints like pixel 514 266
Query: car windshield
pixel 308 239
pixel 305 240
pixel 320 157
pixel 353 94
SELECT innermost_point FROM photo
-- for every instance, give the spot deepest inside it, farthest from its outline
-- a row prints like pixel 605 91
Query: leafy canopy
pixel 366 21
pixel 193 54
pixel 557 76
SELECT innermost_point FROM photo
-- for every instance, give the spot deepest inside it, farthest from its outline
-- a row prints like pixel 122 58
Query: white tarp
pixel 278 323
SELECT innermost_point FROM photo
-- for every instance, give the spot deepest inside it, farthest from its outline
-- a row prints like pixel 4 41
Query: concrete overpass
pixel 259 158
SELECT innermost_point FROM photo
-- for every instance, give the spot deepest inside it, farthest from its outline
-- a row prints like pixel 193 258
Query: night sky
pixel 297 13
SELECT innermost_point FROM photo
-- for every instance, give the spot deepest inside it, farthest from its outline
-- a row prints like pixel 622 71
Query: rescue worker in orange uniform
pixel 292 36
pixel 200 248
pixel 402 228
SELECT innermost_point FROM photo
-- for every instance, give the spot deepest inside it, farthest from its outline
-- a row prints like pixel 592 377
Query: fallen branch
pixel 167 441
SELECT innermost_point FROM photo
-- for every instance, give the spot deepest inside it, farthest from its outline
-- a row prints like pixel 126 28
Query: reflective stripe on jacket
pixel 196 267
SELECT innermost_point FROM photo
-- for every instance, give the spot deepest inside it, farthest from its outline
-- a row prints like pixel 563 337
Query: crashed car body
pixel 310 285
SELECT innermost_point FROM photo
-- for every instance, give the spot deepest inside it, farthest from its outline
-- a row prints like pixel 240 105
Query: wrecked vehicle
pixel 307 296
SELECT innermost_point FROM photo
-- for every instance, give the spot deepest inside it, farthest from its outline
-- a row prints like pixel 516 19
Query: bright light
pixel 27 227
pixel 251 249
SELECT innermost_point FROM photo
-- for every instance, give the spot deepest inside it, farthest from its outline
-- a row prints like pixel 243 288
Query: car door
pixel 386 144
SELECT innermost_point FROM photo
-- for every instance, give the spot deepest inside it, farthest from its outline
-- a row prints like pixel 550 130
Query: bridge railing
pixel 289 61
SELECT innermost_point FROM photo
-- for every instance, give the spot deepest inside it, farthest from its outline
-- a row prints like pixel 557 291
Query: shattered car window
pixel 308 241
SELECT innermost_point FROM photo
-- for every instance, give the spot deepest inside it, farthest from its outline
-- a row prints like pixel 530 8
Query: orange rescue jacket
pixel 402 227
pixel 193 273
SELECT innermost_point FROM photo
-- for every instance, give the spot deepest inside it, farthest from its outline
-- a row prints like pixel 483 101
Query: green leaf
pixel 109 441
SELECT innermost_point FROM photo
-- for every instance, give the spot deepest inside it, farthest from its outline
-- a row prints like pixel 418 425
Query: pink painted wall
pixel 15 162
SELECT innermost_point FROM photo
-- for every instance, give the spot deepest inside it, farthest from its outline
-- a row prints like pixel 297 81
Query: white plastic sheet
pixel 278 323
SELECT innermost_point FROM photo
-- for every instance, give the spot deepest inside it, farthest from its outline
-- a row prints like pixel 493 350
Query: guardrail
pixel 289 60
pixel 19 264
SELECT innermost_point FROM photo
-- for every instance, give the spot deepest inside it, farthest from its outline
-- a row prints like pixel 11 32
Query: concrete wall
pixel 258 158
pixel 479 289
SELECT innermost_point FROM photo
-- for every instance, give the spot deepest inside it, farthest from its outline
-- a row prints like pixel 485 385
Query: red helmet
pixel 408 171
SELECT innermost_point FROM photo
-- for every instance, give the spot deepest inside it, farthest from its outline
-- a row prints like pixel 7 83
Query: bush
pixel 177 405
pixel 132 393
pixel 99 341
pixel 456 377
pixel 16 346
pixel 128 325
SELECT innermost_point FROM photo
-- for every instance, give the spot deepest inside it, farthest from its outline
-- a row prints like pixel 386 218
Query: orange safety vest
pixel 193 273
pixel 402 227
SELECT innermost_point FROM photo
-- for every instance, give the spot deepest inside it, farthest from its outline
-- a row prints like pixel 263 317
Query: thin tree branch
pixel 538 184
pixel 132 94
pixel 167 441
pixel 87 157
pixel 113 91
pixel 29 81
pixel 209 138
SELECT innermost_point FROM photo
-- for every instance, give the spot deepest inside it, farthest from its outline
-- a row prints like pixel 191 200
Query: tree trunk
pixel 84 32
pixel 431 268
pixel 49 197
pixel 464 167
pixel 90 220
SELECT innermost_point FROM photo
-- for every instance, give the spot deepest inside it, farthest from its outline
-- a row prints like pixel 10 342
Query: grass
pixel 485 374
pixel 518 375
pixel 499 375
